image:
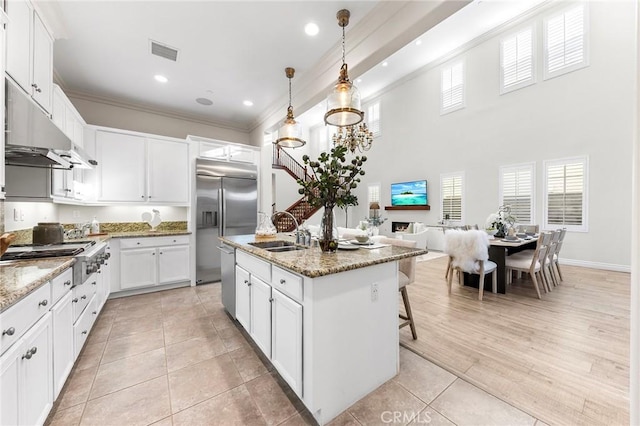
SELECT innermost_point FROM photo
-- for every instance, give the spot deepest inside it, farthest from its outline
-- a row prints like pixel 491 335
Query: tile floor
pixel 176 358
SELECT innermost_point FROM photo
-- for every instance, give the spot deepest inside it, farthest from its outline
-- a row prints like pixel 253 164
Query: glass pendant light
pixel 343 103
pixel 290 133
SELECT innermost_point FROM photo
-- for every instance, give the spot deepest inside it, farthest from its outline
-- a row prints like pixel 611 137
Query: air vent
pixel 164 51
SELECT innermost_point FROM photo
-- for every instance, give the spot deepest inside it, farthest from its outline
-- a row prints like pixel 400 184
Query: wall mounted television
pixel 412 193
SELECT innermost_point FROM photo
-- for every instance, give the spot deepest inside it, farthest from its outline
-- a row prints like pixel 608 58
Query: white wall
pixel 129 118
pixel 28 214
pixel 586 112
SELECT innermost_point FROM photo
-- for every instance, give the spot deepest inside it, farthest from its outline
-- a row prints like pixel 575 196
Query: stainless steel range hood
pixel 33 140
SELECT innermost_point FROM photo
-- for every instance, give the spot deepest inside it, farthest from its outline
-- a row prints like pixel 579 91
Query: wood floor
pixel 563 359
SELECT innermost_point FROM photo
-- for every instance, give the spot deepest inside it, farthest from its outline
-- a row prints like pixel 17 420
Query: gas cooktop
pixel 32 251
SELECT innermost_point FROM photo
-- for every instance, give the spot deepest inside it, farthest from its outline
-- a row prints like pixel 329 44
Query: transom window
pixel 517 61
pixel 566 43
pixel 452 88
pixel 373 119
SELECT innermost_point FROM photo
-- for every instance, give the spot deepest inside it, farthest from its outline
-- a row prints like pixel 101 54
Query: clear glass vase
pixel 328 239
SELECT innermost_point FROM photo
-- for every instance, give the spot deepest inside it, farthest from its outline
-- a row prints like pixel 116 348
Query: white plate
pixel 504 240
pixel 366 243
pixel 345 246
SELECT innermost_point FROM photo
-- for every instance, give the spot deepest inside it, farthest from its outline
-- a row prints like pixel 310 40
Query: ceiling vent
pixel 164 51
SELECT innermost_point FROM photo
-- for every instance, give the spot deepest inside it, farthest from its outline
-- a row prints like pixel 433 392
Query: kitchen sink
pixel 278 246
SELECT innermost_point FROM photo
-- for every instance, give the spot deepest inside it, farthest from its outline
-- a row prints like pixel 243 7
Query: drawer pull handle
pixel 31 352
pixel 75 300
pixel 84 332
pixel 271 299
pixel 67 282
pixel 9 331
pixel 160 252
pixel 84 297
pixel 93 282
pixel 138 243
pixel 282 281
pixel 43 303
pixel 94 312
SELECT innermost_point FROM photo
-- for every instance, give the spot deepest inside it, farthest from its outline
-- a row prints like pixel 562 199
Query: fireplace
pixel 399 226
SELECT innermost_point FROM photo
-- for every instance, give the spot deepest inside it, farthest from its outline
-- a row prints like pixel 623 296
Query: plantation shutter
pixel 516 188
pixel 566 194
pixel 373 119
pixel 517 59
pixel 452 87
pixel 565 40
pixel 451 196
pixel 374 193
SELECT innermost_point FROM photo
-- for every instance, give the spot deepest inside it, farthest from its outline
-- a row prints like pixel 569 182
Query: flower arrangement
pixel 333 180
pixel 500 221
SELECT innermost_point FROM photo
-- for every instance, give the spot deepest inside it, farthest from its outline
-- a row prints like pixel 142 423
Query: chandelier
pixel 354 137
pixel 343 103
pixel 290 133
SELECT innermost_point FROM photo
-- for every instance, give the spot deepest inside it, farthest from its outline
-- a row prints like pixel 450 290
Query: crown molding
pixel 153 110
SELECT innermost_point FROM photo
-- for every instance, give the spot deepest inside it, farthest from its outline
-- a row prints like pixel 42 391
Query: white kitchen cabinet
pixel 261 314
pixel 121 171
pixel 243 298
pixel 140 169
pixel 286 339
pixel 66 117
pixel 104 289
pixel 138 268
pixel 63 353
pixel 3 21
pixel 168 164
pixel 82 326
pixel 152 261
pixel 173 264
pixel 29 52
pixel 26 373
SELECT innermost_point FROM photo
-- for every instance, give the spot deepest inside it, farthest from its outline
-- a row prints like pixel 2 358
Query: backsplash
pixel 24 236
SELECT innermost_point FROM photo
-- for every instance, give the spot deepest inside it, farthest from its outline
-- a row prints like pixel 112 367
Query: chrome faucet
pixel 299 236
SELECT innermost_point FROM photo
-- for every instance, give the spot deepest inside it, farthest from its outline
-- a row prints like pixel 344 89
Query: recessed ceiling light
pixel 311 29
pixel 247 103
pixel 418 42
pixel 160 78
pixel 204 101
pixel 385 63
pixel 358 80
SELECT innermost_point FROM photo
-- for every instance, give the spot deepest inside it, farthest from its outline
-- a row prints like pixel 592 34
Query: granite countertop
pixel 312 262
pixel 136 234
pixel 20 277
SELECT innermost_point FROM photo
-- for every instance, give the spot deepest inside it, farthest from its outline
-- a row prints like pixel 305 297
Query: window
pixel 452 90
pixel 516 61
pixel 373 118
pixel 517 190
pixel 566 42
pixel 374 193
pixel 565 194
pixel 451 196
pixel 319 140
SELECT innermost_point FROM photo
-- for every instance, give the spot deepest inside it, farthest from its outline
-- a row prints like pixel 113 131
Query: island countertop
pixel 312 262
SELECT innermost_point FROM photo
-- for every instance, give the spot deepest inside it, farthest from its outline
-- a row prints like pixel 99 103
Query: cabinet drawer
pixel 254 266
pixel 61 284
pixel 288 283
pixel 21 316
pixel 82 295
pixel 127 243
pixel 82 327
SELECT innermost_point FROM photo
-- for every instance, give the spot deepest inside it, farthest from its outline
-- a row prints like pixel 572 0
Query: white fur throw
pixel 466 248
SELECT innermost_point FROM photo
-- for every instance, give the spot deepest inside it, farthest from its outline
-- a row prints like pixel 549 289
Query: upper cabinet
pixel 29 52
pixel 134 168
pixel 66 117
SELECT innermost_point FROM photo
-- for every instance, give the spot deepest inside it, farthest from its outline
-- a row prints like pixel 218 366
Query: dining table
pixel 499 249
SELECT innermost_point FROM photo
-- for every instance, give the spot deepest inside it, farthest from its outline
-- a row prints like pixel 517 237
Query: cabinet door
pixel 121 167
pixel 261 314
pixel 286 347
pixel 42 64
pixel 9 387
pixel 58 108
pixel 173 264
pixel 63 356
pixel 37 373
pixel 243 298
pixel 168 164
pixel 19 42
pixel 62 183
pixel 137 268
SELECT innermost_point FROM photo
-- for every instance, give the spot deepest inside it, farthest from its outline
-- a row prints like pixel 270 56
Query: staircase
pixel 301 209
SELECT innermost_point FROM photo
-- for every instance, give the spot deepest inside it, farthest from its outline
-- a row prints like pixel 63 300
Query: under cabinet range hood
pixel 33 140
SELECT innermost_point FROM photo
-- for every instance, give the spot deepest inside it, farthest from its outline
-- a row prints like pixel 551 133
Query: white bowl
pixel 362 238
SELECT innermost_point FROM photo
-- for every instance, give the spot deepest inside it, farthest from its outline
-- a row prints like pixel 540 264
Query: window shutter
pixel 373 119
pixel 516 188
pixel 374 193
pixel 566 194
pixel 517 60
pixel 452 88
pixel 451 196
pixel 566 41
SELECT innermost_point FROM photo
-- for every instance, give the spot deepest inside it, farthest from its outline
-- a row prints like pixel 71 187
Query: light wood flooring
pixel 563 359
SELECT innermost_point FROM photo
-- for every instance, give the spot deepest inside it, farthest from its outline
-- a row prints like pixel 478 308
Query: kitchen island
pixel 327 321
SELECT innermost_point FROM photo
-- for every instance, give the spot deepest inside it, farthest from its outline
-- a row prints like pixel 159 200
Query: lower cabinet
pixel 173 264
pixel 63 352
pixel 272 318
pixel 138 268
pixel 26 377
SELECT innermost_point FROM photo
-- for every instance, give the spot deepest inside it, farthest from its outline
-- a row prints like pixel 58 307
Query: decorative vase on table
pixel 328 240
pixel 502 231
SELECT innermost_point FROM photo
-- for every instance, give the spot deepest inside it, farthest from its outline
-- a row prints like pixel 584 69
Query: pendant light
pixel 290 133
pixel 343 103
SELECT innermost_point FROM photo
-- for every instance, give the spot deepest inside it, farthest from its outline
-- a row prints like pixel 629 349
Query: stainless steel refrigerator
pixel 227 204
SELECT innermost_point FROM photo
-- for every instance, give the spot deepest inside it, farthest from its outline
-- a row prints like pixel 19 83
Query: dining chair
pixel 531 261
pixel 555 260
pixel 469 253
pixel 551 253
pixel 531 229
pixel 406 275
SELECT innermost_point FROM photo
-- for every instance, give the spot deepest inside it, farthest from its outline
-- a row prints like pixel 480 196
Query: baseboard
pixel 596 265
